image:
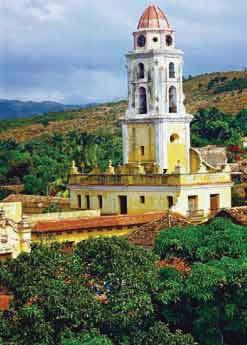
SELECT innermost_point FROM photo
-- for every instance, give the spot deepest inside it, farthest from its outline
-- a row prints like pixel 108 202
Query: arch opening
pixel 140 71
pixel 172 70
pixel 142 101
pixel 173 100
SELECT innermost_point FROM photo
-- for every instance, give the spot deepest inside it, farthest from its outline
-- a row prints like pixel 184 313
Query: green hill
pixel 226 91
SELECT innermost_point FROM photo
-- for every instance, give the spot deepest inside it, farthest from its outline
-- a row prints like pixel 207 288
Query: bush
pixel 215 240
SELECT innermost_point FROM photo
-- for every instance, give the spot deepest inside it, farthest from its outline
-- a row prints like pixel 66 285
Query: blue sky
pixel 72 51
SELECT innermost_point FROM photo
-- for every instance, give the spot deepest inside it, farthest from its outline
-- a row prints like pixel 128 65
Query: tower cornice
pixel 167 118
pixel 157 52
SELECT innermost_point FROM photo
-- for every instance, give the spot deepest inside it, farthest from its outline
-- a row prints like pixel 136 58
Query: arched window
pixel 174 138
pixel 140 71
pixel 172 100
pixel 171 70
pixel 142 100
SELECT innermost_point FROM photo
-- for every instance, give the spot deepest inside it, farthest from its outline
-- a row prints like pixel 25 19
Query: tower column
pixel 125 142
pixel 161 145
pixel 187 141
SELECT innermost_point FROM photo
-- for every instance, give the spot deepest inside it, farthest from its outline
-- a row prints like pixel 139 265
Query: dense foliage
pixel 43 164
pixel 210 126
pixel 210 302
pixel 109 292
pixel 102 294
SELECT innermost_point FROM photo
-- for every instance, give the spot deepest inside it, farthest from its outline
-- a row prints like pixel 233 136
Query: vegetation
pixel 109 288
pixel 200 93
pixel 209 302
pixel 232 85
pixel 120 294
pixel 210 126
pixel 38 151
pixel 225 91
pixel 43 164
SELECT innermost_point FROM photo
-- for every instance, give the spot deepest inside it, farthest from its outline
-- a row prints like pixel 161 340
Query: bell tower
pixel 156 128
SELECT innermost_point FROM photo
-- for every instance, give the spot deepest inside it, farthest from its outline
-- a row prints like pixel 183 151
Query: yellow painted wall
pixel 194 161
pixel 78 236
pixel 203 195
pixel 177 151
pixel 13 210
pixel 141 135
pixel 158 200
pixel 154 201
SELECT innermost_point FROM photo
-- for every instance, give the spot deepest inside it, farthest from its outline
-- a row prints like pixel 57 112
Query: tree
pixel 210 126
pixel 126 276
pixel 210 301
pixel 88 339
pixel 160 334
pixel 102 294
pixel 33 185
pixel 240 122
pixel 215 240
pixel 39 283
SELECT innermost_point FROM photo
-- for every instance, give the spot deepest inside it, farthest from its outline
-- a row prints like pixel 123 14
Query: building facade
pixel 160 170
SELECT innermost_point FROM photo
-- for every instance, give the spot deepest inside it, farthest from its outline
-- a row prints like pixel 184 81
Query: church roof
pixel 153 18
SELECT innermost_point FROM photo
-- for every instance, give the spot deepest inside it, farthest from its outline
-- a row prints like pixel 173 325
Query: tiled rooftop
pixel 145 235
pixel 236 214
pixel 96 222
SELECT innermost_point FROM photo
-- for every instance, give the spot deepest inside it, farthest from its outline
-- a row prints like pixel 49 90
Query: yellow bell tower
pixel 156 128
pixel 160 170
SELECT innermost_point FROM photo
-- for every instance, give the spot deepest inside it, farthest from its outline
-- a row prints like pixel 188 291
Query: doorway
pixel 214 203
pixel 123 204
pixel 193 204
pixel 170 202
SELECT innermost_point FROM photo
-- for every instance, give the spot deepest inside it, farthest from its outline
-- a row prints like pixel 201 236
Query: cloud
pixel 73 51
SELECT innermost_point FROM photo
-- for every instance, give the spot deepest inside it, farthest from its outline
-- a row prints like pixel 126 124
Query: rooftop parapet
pixel 153 180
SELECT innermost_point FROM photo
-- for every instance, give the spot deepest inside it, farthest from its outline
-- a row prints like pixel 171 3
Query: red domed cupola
pixel 153 18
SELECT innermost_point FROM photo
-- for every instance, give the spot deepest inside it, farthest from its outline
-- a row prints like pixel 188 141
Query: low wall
pixel 13 210
pixel 62 215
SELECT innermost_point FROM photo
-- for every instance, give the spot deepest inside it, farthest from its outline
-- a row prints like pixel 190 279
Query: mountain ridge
pixel 16 109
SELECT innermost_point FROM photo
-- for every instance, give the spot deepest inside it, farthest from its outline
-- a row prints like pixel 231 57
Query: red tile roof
pixel 153 17
pixel 96 222
pixel 236 214
pixel 145 235
pixel 5 302
pixel 5 299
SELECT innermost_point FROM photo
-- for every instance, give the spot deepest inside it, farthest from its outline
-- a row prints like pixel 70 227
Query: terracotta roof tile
pixel 5 302
pixel 153 17
pixel 236 214
pixel 145 235
pixel 96 222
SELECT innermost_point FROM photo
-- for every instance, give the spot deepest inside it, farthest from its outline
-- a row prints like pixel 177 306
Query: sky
pixel 72 51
